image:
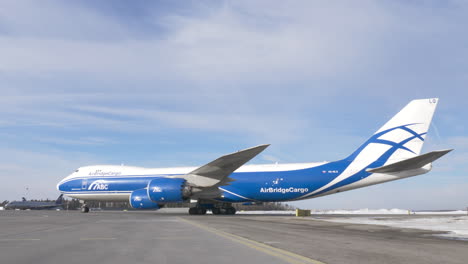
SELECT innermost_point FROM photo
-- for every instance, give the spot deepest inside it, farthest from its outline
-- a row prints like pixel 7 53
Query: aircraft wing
pixel 216 172
pixel 411 163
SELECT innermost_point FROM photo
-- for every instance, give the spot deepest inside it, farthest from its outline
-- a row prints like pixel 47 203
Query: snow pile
pixel 394 211
pixel 457 212
pixel 290 212
pixel 364 211
pixel 457 226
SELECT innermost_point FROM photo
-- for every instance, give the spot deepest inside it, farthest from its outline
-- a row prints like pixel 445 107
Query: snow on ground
pixel 362 211
pixel 367 211
pixel 453 222
pixel 272 212
pixel 458 212
pixel 457 226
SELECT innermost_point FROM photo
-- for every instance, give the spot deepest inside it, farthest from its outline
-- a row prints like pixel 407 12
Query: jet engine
pixel 168 190
pixel 139 200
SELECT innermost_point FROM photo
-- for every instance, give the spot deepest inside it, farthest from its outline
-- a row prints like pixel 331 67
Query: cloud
pixel 459 142
pixel 227 43
pixel 453 164
pixel 230 47
pixel 270 158
pixel 37 171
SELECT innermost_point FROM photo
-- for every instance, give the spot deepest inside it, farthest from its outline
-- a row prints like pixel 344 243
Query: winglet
pixel 217 170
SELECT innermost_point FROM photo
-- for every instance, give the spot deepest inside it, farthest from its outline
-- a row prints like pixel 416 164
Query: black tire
pixel 85 209
pixel 231 211
pixel 193 211
pixel 216 211
pixel 201 211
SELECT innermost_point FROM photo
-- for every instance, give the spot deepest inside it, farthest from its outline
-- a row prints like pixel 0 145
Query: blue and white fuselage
pixel 391 153
pixel 251 182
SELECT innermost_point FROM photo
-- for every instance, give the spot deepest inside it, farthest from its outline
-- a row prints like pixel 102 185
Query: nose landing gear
pixel 84 208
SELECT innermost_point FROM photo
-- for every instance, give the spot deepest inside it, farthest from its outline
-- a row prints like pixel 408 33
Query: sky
pixel 180 83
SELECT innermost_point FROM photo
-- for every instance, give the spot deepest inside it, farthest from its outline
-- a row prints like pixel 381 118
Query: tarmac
pixel 151 237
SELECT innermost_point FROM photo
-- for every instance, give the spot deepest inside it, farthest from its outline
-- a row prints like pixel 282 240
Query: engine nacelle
pixel 139 200
pixel 168 190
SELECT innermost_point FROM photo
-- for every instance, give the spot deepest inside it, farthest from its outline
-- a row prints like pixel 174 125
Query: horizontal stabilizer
pixel 411 163
pixel 218 170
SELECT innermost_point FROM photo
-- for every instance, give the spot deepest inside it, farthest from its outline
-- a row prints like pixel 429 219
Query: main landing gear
pixel 216 209
pixel 197 211
pixel 224 211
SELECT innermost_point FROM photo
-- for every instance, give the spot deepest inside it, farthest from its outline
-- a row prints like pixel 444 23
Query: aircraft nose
pixel 59 185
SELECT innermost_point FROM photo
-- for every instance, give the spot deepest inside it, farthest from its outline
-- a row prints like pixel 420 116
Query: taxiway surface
pixel 150 237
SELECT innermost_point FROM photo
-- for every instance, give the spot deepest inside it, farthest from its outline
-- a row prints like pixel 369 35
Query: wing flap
pixel 411 163
pixel 218 170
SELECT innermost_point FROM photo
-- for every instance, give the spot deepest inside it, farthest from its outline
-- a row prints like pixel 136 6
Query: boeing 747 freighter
pixel 392 153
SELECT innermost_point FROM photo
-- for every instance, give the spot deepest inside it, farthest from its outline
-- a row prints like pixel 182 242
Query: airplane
pixel 391 153
pixel 35 205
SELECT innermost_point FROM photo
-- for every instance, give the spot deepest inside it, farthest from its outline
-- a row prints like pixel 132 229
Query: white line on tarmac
pixel 98 238
pixel 285 255
pixel 19 239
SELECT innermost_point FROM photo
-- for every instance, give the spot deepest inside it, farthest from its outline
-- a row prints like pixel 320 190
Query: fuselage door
pixel 84 184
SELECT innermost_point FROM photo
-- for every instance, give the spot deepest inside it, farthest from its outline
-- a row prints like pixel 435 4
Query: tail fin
pixel 402 137
pixel 59 200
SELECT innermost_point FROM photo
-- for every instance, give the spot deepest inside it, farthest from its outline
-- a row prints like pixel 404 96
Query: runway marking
pixel 285 255
pixel 97 238
pixel 19 239
pixel 174 238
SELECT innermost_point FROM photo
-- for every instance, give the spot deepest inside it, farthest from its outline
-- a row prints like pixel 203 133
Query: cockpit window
pixel 76 170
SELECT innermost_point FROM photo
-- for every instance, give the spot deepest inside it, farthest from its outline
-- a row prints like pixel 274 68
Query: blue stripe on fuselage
pixel 259 186
pixel 105 184
pixel 268 186
pixel 281 185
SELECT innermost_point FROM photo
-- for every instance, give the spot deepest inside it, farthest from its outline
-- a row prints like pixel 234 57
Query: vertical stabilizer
pixel 402 137
pixel 59 200
pixel 394 148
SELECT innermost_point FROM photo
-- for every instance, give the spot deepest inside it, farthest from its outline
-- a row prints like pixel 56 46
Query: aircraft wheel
pixel 201 211
pixel 85 209
pixel 231 210
pixel 193 211
pixel 216 211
